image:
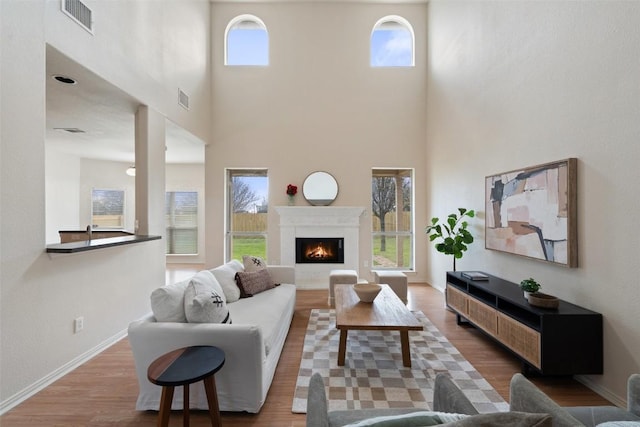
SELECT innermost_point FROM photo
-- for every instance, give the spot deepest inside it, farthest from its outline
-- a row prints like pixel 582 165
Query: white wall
pixel 138 49
pixel 62 182
pixel 317 106
pixel 514 84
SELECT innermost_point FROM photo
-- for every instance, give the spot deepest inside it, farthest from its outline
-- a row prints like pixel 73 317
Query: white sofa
pixel 252 344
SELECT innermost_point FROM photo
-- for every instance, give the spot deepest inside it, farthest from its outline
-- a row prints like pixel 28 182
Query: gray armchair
pixel 447 397
pixel 526 397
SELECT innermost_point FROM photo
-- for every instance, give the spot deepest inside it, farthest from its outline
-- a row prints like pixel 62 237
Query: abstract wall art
pixel 532 212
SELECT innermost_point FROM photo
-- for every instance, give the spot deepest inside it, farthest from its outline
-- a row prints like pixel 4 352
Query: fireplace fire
pixel 319 250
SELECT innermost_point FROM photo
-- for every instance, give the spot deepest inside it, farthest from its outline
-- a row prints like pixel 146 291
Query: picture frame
pixel 531 212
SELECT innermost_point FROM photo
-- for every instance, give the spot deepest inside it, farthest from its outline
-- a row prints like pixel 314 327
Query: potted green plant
pixel 452 232
pixel 529 286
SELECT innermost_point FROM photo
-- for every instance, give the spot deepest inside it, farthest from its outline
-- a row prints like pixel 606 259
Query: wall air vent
pixel 79 12
pixel 183 99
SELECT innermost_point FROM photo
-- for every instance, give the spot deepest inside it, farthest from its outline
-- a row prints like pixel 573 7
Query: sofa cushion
pixel 204 301
pixel 167 302
pixel 417 418
pixel 253 263
pixel 226 276
pixel 268 310
pixel 254 282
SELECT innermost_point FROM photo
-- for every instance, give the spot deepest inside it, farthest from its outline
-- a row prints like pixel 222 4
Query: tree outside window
pixel 392 216
pixel 247 213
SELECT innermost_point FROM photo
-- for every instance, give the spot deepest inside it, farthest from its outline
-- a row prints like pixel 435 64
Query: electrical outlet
pixel 78 324
pixel 366 263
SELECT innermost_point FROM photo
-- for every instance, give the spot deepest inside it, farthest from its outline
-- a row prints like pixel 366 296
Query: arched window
pixel 246 41
pixel 392 43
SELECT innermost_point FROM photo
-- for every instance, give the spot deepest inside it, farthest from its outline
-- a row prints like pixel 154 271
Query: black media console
pixel 562 341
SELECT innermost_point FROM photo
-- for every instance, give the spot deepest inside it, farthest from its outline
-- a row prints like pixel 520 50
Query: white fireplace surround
pixel 319 221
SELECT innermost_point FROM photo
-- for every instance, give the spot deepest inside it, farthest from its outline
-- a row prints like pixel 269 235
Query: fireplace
pixel 319 250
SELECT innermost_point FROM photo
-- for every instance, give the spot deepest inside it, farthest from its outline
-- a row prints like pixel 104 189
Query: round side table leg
pixel 185 407
pixel 165 406
pixel 212 400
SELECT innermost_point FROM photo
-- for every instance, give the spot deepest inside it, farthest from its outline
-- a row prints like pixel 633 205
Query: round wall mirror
pixel 320 188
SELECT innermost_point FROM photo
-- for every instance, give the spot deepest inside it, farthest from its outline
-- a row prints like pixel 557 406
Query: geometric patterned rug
pixel 373 375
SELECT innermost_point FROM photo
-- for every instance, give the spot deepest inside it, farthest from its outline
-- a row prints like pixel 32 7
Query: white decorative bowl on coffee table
pixel 367 292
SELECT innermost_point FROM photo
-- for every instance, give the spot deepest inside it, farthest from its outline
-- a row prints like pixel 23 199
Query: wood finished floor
pixel 103 391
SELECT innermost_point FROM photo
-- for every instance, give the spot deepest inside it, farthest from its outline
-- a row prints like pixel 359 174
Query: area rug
pixel 373 375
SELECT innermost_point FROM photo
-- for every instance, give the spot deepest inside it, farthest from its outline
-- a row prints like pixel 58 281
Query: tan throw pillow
pixel 253 263
pixel 253 282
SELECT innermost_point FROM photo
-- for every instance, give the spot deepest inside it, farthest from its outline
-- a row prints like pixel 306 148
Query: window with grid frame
pixel 247 210
pixel 107 208
pixel 392 219
pixel 181 218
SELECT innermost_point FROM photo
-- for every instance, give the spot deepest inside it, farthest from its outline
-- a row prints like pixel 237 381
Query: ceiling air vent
pixel 183 99
pixel 79 12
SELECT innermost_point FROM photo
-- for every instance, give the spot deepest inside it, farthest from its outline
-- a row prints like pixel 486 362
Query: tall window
pixel 246 41
pixel 107 208
pixel 392 216
pixel 392 43
pixel 181 218
pixel 247 208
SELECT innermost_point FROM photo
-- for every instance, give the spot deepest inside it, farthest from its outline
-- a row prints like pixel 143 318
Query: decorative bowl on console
pixel 367 292
pixel 538 299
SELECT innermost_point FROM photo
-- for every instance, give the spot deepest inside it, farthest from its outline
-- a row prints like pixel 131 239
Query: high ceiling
pixel 94 119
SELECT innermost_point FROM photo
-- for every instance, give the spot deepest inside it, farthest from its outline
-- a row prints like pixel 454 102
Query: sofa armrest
pixel 633 394
pixel 524 396
pixel 243 346
pixel 317 410
pixel 282 273
pixel 447 397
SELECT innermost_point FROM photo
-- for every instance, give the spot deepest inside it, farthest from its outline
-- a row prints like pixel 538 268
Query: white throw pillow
pixel 226 276
pixel 207 278
pixel 204 303
pixel 167 302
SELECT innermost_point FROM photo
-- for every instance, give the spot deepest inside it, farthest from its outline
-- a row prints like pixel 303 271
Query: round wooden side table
pixel 182 367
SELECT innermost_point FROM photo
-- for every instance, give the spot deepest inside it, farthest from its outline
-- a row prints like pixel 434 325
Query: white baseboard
pixel 606 393
pixel 34 388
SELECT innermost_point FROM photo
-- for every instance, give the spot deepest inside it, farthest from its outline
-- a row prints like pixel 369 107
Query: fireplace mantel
pixel 319 221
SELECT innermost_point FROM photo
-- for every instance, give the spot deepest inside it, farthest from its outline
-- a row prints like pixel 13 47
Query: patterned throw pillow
pixel 225 275
pixel 253 282
pixel 253 263
pixel 204 303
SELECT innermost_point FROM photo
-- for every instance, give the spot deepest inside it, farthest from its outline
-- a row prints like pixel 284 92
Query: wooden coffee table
pixel 386 312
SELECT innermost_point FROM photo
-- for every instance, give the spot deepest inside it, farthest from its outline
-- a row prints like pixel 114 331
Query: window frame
pixel 235 22
pixel 398 235
pixel 194 227
pixel 230 234
pixel 402 22
pixel 123 214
